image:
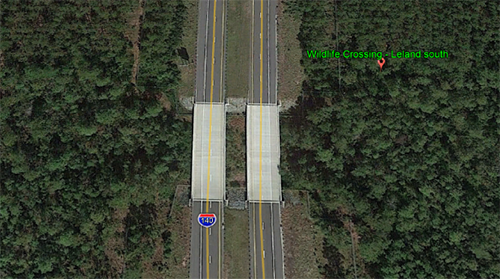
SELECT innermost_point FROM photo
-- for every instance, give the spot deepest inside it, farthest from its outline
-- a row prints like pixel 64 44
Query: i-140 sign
pixel 207 219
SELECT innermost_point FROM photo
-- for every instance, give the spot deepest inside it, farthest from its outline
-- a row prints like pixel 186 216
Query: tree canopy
pixel 88 159
pixel 404 163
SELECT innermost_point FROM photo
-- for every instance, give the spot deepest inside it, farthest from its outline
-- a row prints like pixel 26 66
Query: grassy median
pixel 235 150
pixel 236 241
pixel 238 32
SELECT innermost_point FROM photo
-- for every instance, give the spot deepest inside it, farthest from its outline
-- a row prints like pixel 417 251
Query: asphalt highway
pixel 266 247
pixel 206 262
pixel 267 259
pixel 210 51
pixel 264 49
pixel 199 259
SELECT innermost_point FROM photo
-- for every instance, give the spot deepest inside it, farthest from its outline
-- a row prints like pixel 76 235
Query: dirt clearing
pixel 303 242
pixel 290 72
pixel 180 229
pixel 189 37
pixel 132 34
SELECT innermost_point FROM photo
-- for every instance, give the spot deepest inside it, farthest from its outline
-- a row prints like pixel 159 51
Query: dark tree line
pixel 88 161
pixel 404 163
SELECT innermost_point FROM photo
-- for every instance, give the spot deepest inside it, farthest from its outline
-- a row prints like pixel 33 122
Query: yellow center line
pixel 250 94
pixel 210 133
pixel 260 136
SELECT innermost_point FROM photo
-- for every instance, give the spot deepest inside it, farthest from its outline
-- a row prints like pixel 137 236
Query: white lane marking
pixel 272 240
pixel 201 243
pixel 206 54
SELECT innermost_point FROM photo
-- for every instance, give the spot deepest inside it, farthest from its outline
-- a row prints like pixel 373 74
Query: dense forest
pixel 90 146
pixel 404 163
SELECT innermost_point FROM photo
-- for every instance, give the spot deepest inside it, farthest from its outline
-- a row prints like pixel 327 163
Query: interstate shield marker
pixel 207 219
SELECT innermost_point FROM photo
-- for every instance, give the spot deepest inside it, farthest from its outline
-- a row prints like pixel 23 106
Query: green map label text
pixel 375 54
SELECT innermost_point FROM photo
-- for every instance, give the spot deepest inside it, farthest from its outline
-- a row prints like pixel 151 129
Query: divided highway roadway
pixel 264 11
pixel 270 263
pixel 207 243
pixel 210 51
pixel 200 253
pixel 266 247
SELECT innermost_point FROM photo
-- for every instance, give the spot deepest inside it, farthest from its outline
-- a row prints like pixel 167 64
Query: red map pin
pixel 381 63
